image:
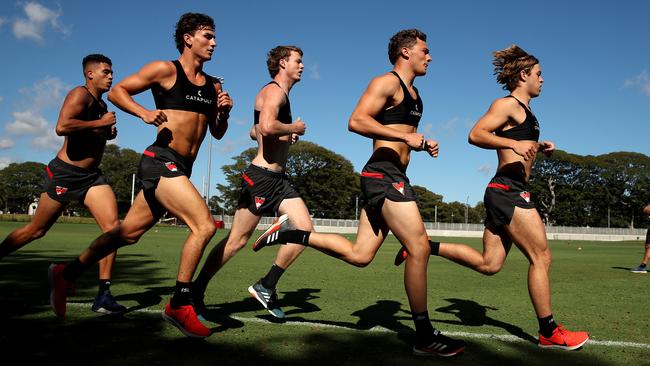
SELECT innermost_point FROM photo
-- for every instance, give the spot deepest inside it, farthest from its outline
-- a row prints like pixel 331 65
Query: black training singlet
pixel 408 112
pixel 186 96
pixel 527 130
pixel 284 114
pixel 96 110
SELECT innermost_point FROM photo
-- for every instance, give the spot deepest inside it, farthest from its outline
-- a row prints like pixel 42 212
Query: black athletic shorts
pixel 381 180
pixel 262 190
pixel 502 195
pixel 159 162
pixel 66 183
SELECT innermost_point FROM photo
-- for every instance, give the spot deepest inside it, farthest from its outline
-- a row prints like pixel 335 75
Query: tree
pixel 233 173
pixel 118 166
pixel 325 180
pixel 215 205
pixel 20 185
pixel 427 202
pixel 574 190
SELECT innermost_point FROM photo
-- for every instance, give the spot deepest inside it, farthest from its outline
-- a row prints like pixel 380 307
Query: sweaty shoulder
pixel 79 92
pixel 159 69
pixel 504 106
pixel 386 85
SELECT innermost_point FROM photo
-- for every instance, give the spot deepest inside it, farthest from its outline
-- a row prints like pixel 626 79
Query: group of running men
pixel 189 103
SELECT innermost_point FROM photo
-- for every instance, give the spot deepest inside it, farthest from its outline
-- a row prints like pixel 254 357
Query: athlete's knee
pixel 36 232
pixel 124 237
pixel 490 269
pixel 542 258
pixel 421 250
pixel 205 231
pixel 112 225
pixel 361 260
pixel 236 244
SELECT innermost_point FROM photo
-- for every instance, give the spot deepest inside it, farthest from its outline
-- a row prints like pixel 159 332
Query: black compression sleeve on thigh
pixel 296 236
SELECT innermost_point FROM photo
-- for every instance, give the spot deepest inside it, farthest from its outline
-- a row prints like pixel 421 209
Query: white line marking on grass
pixel 378 329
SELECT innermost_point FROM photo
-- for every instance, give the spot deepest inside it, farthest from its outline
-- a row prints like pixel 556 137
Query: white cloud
pixel 486 169
pixel 28 122
pixel 314 73
pixel 426 130
pixel 45 93
pixel 239 121
pixel 227 147
pixel 50 141
pixel 2 98
pixel 449 127
pixel 6 143
pixel 5 161
pixel 39 19
pixel 641 81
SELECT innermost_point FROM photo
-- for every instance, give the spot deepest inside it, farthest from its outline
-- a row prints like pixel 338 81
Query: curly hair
pixel 404 38
pixel 189 23
pixel 279 53
pixel 509 62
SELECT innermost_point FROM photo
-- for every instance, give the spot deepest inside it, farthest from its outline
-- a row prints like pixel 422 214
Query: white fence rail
pixel 472 230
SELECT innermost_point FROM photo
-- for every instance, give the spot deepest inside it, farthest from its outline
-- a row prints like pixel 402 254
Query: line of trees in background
pixel 569 190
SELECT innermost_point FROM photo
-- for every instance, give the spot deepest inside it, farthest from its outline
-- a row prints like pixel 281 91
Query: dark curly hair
pixel 189 23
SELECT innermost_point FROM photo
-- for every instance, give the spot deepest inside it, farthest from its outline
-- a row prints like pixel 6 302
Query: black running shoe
pixel 442 346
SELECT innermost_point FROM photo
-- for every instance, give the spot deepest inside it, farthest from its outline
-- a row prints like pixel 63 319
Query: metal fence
pixel 346 225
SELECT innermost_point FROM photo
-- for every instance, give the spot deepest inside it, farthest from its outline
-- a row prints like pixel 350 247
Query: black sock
pixel 295 236
pixel 547 325
pixel 423 328
pixel 435 247
pixel 73 270
pixel 198 289
pixel 182 295
pixel 104 285
pixel 271 279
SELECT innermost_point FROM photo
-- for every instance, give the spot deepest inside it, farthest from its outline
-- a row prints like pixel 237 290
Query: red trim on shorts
pixel 149 153
pixel 499 186
pixel 247 179
pixel 372 175
pixel 49 172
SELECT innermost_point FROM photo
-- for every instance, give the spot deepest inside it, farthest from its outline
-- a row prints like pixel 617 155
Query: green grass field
pixel 337 314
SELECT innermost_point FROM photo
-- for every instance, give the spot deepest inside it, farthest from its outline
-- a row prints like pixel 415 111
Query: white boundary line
pixel 377 329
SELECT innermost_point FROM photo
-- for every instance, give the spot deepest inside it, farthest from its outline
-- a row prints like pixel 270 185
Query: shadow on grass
pixel 626 269
pixel 139 340
pixel 24 283
pixel 31 334
pixel 470 313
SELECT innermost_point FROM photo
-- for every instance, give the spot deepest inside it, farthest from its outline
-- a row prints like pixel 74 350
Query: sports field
pixel 336 314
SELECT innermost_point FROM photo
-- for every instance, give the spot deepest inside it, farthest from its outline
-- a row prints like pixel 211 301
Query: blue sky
pixel 595 58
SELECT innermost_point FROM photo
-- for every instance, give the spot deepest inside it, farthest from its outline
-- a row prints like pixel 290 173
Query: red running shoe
pixel 564 339
pixel 59 289
pixel 184 318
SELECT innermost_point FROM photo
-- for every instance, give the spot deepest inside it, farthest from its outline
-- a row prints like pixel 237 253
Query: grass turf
pixel 337 314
